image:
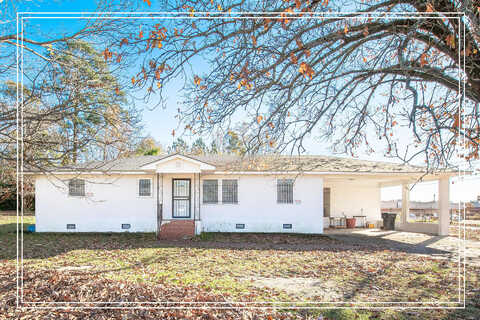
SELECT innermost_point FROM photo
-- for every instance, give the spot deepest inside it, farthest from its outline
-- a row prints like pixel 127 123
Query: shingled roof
pixel 265 163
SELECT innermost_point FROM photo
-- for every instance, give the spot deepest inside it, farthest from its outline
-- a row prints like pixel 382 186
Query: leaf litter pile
pixel 224 270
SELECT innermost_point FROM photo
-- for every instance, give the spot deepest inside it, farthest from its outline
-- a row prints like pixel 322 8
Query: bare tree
pixel 72 103
pixel 360 81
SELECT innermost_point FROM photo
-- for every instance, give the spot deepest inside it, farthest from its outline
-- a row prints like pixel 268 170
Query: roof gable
pixel 177 163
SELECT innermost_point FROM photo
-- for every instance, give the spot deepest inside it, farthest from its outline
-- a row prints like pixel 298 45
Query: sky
pixel 461 189
pixel 159 122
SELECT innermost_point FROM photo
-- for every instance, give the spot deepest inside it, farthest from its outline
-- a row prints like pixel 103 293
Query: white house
pixel 178 195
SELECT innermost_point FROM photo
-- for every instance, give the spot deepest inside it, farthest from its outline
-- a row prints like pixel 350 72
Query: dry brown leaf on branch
pixel 197 80
pixel 293 58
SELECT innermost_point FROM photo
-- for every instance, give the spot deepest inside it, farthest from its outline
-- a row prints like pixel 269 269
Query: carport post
pixel 443 206
pixel 405 203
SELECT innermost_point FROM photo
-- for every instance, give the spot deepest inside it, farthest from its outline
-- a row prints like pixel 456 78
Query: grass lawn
pixel 226 269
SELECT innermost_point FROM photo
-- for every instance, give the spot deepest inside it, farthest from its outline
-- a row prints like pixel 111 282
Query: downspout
pixel 199 200
pixel 194 198
pixel 159 204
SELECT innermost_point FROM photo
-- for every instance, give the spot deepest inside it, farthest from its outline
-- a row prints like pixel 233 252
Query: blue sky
pixel 159 122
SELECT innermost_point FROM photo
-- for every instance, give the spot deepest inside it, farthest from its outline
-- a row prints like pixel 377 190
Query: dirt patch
pixel 301 287
pixel 75 268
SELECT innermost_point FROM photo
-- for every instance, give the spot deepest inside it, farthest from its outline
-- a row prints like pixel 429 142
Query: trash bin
pixel 389 220
pixel 350 223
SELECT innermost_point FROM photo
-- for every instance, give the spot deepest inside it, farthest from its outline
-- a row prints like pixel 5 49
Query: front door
pixel 326 202
pixel 181 198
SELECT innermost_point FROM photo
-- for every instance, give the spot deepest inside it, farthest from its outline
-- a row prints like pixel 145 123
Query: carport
pixel 442 226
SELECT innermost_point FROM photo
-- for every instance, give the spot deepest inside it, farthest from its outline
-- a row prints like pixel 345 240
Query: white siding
pixel 354 197
pixel 113 200
pixel 258 209
pixel 110 202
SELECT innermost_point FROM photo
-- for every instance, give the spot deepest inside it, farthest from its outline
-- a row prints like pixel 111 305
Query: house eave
pixel 113 172
pixel 324 173
pixel 333 173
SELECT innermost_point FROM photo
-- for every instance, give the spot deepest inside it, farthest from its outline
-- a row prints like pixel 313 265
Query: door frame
pixel 327 190
pixel 189 198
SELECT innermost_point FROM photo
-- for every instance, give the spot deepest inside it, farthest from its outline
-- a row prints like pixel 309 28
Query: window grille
pixel 210 191
pixel 229 191
pixel 76 188
pixel 145 187
pixel 285 191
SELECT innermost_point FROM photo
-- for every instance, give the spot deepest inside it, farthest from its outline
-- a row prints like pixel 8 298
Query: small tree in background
pixel 148 147
pixel 199 147
pixel 179 146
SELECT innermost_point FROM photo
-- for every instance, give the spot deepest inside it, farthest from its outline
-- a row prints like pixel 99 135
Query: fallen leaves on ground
pixel 221 268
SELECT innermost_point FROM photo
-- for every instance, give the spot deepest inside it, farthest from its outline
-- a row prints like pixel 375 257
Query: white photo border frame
pixel 20 303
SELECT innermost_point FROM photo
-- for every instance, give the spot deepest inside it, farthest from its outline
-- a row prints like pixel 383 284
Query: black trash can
pixel 388 220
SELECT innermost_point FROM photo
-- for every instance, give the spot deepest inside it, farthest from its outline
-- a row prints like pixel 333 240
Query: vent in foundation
pixel 240 226
pixel 287 226
pixel 70 226
pixel 125 225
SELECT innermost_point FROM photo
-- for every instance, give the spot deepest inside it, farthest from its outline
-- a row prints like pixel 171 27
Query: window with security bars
pixel 229 191
pixel 210 191
pixel 285 191
pixel 76 188
pixel 145 187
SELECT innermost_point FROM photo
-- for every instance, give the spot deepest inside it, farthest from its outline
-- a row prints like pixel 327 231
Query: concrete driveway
pixel 418 243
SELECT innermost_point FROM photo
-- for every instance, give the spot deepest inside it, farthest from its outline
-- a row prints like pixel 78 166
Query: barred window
pixel 285 191
pixel 76 188
pixel 145 187
pixel 229 191
pixel 210 191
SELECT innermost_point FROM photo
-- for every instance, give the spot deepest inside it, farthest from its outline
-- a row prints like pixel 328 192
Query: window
pixel 125 225
pixel 287 226
pixel 285 191
pixel 76 188
pixel 240 226
pixel 229 191
pixel 70 226
pixel 145 187
pixel 210 191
